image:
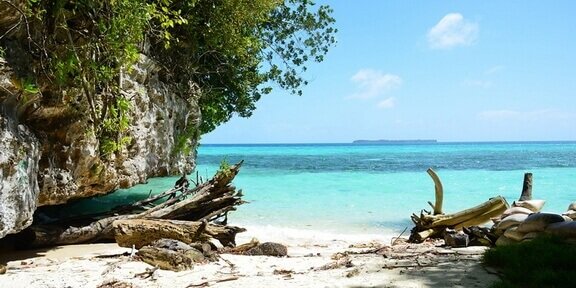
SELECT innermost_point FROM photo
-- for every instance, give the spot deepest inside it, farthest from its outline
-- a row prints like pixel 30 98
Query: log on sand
pixel 434 224
pixel 207 201
pixel 142 232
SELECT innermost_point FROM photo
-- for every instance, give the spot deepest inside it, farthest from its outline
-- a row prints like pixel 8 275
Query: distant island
pixel 418 141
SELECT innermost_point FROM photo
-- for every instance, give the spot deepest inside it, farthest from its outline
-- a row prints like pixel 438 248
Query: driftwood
pixel 434 224
pixel 207 201
pixel 142 232
pixel 526 187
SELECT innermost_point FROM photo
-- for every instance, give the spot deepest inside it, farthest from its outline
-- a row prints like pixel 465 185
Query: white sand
pixel 76 266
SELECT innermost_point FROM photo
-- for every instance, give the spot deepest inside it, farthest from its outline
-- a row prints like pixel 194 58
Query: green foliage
pixel 234 51
pixel 225 169
pixel 542 262
pixel 115 126
pixel 183 141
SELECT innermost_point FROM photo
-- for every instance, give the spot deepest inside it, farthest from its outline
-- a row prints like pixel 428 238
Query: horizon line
pixel 393 142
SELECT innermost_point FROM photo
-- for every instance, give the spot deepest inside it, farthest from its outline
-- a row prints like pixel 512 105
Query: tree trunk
pixel 526 187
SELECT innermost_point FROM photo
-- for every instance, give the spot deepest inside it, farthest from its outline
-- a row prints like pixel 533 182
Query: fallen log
pixel 142 232
pixel 434 224
pixel 207 201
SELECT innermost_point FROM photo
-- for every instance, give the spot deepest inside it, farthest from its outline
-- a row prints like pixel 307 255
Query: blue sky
pixel 446 70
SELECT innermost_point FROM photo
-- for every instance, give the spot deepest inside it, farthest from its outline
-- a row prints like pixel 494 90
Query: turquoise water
pixel 374 188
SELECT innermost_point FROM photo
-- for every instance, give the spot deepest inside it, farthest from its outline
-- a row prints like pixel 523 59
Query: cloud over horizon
pixel 452 31
pixel 373 83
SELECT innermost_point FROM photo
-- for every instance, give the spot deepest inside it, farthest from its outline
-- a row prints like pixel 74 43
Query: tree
pixel 229 52
pixel 236 50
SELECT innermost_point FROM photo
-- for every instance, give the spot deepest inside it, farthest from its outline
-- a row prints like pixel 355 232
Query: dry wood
pixel 434 224
pixel 142 232
pixel 438 192
pixel 208 200
pixel 526 187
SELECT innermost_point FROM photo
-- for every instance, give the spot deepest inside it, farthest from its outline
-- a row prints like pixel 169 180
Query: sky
pixel 445 70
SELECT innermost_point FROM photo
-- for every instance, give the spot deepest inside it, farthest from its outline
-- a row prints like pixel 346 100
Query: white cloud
pixel 452 30
pixel 373 83
pixel 387 103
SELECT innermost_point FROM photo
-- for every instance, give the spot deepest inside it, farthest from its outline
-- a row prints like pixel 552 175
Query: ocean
pixel 371 188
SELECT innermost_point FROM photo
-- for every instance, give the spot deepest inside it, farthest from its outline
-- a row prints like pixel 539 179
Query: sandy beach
pixel 314 260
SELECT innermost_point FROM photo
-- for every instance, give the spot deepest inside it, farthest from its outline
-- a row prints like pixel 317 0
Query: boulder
pixel 516 210
pixel 562 229
pixel 504 241
pixel 532 235
pixel 513 234
pixel 533 205
pixel 538 222
pixel 570 213
pixel 510 221
pixel 19 156
pixel 456 239
pixel 268 249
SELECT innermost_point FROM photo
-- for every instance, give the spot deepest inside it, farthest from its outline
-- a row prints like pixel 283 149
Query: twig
pixel 149 273
pixel 396 239
pixel 207 283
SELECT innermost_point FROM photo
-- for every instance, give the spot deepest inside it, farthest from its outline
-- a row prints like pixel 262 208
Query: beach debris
pixel 211 282
pixel 353 273
pixel 170 254
pixel 538 222
pixel 207 201
pixel 456 239
pixel 116 284
pixel 287 274
pixel 142 232
pixel 524 221
pixel 571 212
pixel 340 262
pixel 434 224
pixel 148 273
pixel 240 249
pixel 268 249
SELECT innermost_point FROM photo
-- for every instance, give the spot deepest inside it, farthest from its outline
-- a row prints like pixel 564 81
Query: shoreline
pixel 315 259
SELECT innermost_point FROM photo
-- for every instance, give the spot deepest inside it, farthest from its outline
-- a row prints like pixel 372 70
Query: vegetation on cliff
pixel 226 52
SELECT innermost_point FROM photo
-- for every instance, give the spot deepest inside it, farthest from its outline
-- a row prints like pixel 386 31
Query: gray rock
pixel 538 222
pixel 171 244
pixel 456 239
pixel 268 249
pixel 19 155
pixel 71 163
pixel 562 229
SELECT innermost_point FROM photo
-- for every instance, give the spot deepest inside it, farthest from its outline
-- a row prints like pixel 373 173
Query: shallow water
pixel 345 188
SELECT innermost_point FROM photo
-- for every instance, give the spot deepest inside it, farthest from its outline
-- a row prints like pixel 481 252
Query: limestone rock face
pixel 19 155
pixel 49 150
pixel 71 165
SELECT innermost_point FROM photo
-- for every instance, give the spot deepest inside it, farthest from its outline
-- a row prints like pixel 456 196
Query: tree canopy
pixel 230 52
pixel 237 50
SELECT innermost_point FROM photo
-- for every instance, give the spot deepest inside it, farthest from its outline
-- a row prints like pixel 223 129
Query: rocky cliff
pixel 49 153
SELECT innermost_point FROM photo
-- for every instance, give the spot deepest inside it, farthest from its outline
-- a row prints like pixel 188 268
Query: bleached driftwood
pixel 207 201
pixel 429 224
